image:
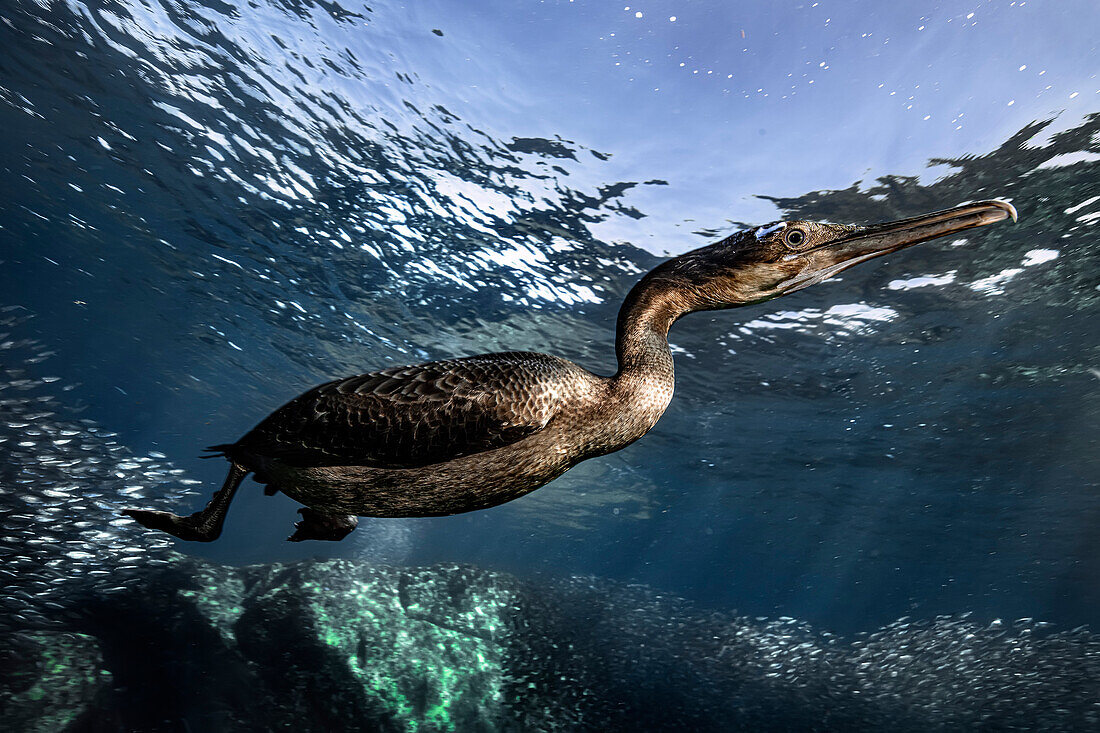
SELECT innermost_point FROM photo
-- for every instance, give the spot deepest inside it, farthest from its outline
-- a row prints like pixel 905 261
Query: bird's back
pixel 412 416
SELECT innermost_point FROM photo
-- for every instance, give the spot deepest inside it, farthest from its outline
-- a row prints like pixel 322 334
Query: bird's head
pixel 777 259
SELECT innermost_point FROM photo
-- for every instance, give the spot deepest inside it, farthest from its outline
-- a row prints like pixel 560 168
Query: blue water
pixel 209 207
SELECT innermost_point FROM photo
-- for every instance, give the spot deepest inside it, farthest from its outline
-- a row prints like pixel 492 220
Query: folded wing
pixel 412 416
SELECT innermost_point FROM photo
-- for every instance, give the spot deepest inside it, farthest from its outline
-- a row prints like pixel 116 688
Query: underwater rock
pixel 167 638
pixel 343 645
pixel 323 645
pixel 49 681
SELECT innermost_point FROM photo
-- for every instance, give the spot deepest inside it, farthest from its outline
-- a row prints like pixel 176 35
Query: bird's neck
pixel 642 387
pixel 641 339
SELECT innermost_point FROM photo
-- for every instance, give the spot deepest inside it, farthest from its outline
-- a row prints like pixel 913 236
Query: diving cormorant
pixel 462 434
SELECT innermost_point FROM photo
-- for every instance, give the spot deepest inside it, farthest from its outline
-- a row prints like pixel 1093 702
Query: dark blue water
pixel 209 207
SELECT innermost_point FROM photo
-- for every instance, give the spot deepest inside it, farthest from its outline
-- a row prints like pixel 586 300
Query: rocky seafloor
pixel 343 645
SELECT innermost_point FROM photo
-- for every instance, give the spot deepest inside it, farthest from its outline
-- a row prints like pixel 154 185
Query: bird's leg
pixel 317 525
pixel 204 526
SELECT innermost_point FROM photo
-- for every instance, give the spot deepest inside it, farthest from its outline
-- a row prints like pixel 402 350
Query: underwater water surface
pixel 208 207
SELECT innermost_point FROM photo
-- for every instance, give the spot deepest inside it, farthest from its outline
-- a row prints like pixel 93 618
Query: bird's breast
pixel 622 413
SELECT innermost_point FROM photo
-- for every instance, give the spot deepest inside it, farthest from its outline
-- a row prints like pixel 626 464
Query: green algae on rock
pixel 49 680
pixel 420 649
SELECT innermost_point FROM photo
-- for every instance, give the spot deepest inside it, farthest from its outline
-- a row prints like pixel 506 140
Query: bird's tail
pixel 216 451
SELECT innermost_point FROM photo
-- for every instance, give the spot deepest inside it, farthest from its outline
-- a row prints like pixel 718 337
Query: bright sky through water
pixel 726 101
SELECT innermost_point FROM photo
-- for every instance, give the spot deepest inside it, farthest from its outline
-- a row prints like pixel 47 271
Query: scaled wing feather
pixel 412 416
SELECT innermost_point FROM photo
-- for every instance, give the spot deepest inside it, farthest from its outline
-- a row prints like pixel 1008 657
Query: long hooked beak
pixel 865 243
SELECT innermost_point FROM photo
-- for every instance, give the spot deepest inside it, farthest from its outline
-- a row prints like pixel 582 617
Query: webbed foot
pixel 204 526
pixel 316 525
pixel 191 527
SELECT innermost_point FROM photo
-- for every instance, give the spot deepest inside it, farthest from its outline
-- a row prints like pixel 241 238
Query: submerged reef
pixel 51 680
pixel 345 645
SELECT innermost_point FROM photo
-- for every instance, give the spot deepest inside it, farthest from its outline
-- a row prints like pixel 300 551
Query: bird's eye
pixel 794 237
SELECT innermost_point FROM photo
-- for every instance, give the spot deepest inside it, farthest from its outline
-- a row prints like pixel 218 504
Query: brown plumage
pixel 463 434
pixel 411 416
